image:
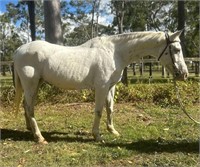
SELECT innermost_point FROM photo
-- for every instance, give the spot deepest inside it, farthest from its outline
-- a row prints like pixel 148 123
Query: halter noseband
pixel 168 44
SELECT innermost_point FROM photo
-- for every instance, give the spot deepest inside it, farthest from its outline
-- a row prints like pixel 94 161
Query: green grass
pixel 150 136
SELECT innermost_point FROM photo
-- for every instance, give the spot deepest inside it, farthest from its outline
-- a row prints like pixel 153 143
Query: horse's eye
pixel 177 51
pixel 166 53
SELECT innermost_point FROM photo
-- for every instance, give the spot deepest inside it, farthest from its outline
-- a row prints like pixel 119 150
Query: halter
pixel 170 49
pixel 175 85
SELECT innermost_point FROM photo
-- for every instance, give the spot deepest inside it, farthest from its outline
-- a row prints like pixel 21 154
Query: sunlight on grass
pixel 150 136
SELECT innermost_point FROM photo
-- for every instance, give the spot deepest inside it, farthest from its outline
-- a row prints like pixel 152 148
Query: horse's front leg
pixel 100 95
pixel 109 109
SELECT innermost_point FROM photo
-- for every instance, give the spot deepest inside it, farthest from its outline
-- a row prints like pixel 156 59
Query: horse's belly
pixel 69 77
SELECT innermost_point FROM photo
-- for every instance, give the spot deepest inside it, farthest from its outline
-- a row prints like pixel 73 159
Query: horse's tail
pixel 18 91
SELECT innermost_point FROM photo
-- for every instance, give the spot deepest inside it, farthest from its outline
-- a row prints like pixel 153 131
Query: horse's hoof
pixel 43 142
pixel 98 138
pixel 113 131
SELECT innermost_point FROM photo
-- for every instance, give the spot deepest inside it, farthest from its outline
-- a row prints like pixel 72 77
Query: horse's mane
pixel 147 35
pixel 137 35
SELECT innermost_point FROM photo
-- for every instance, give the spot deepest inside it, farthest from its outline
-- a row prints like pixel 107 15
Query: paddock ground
pixel 150 136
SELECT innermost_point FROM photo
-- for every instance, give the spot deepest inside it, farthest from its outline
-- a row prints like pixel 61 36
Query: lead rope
pixel 181 103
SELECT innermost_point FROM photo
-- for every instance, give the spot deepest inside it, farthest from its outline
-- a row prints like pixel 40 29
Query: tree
pixel 84 15
pixel 136 16
pixel 10 39
pixel 31 11
pixel 78 36
pixel 119 9
pixel 53 28
pixel 181 22
pixel 192 28
pixel 19 17
pixel 95 9
pixel 159 15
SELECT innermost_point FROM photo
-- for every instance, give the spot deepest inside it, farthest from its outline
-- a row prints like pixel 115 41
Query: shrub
pixel 159 94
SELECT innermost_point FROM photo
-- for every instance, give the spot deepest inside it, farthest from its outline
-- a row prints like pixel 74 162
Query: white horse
pixel 97 64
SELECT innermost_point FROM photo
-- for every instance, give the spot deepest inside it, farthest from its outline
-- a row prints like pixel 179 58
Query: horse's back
pixel 66 67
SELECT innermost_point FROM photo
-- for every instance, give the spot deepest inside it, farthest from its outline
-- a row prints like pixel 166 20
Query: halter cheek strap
pixel 170 52
pixel 168 45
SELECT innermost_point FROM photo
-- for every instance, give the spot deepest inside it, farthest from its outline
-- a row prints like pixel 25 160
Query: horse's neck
pixel 133 47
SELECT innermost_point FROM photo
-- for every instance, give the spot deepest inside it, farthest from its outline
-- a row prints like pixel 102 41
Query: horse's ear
pixel 176 35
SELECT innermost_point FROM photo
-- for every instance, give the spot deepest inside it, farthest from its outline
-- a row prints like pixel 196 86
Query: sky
pixel 3 4
pixel 104 19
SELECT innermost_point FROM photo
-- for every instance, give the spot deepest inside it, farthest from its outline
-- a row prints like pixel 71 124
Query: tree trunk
pixel 31 11
pixel 181 22
pixel 97 24
pixel 94 26
pixel 119 7
pixel 53 29
pixel 92 21
pixel 120 11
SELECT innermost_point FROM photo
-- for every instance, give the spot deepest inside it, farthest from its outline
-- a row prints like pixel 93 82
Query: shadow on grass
pixel 153 145
pixel 16 135
pixel 142 146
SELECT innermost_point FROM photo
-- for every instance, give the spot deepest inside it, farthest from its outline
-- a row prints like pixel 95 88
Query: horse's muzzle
pixel 181 76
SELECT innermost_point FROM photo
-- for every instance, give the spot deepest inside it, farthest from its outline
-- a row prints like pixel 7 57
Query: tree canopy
pixel 82 20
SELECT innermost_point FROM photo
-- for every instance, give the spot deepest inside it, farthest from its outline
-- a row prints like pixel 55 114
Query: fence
pixel 6 66
pixel 149 66
pixel 152 66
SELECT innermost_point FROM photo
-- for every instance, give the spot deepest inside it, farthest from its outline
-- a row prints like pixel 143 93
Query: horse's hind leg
pixel 30 92
pixel 28 124
pixel 109 109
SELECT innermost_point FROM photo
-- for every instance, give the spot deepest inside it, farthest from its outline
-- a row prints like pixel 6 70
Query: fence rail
pixel 144 65
pixel 152 65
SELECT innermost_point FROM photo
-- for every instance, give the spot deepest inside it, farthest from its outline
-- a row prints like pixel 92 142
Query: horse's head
pixel 172 56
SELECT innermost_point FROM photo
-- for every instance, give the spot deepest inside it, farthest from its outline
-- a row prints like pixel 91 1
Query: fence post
pixel 134 70
pixel 196 68
pixel 167 74
pixel 150 69
pixel 163 72
pixel 141 69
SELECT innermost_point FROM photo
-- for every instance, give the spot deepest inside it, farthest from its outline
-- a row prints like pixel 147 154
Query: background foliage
pixel 80 22
pixel 157 94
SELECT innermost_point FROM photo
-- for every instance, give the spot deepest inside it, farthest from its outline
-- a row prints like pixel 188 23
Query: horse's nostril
pixel 185 75
pixel 177 74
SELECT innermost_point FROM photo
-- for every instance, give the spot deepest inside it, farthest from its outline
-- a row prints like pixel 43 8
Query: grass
pixel 150 136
